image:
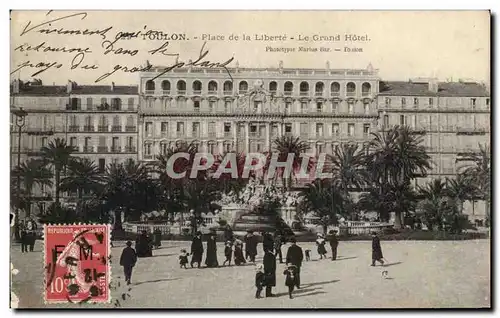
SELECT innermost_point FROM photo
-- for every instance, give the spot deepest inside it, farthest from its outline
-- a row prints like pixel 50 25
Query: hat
pixel 291 266
pixel 129 243
pixel 293 239
pixel 374 233
pixel 198 233
pixel 320 234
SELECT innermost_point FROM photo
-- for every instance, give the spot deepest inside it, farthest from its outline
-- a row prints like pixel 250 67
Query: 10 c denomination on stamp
pixel 76 260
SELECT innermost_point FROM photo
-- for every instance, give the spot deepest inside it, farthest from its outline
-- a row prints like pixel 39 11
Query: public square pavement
pixel 420 274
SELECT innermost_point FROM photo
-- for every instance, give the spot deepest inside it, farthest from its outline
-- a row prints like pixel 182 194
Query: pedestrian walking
pixel 259 279
pixel 128 260
pixel 270 272
pixel 251 246
pixel 291 279
pixel 295 256
pixel 228 253
pixel 197 250
pixel 211 260
pixel 238 252
pixel 334 243
pixel 376 250
pixel 320 242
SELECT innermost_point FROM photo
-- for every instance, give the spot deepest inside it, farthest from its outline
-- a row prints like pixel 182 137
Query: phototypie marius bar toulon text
pixel 242 159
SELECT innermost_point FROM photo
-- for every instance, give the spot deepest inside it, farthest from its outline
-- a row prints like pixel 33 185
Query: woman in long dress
pixel 238 252
pixel 211 260
pixel 196 250
pixel 320 242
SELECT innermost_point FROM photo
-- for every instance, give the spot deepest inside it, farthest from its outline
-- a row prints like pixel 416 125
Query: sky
pixel 400 44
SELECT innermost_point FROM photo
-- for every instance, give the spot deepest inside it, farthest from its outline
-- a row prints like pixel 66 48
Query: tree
pixel 395 157
pixel 57 154
pixel 480 173
pixel 461 188
pixel 198 196
pixel 284 146
pixel 324 200
pixel 32 172
pixel 128 188
pixel 83 177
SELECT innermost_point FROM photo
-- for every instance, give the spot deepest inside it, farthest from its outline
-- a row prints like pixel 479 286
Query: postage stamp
pixel 76 260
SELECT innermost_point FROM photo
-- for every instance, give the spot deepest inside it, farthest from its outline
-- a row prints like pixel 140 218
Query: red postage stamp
pixel 76 259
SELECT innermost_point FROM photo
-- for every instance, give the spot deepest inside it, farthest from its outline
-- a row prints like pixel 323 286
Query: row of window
pixel 404 102
pixel 254 129
pixel 243 87
pixel 257 106
pixel 114 104
pixel 103 120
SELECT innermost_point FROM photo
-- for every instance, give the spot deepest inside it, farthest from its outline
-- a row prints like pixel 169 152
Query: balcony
pixel 470 131
pixel 88 149
pixel 116 149
pixel 102 149
pixel 255 134
pixel 196 109
pixel 366 94
pixel 166 92
pixel 88 128
pixel 116 128
pixel 350 94
pixel 243 91
pixel 73 128
pixel 103 129
pixel 90 107
pixel 181 92
pixel 304 94
pixel 273 92
pixel 288 93
pixel 180 134
pixel 334 94
pixel 212 92
pixel 211 134
pixel 318 94
pixel 148 156
pixel 130 149
pixel 228 93
pixel 195 134
pixel 149 92
pixel 47 131
pixel 228 134
pixel 130 128
pixel 195 92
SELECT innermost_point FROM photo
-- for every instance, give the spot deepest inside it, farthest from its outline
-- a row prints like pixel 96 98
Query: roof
pixel 105 89
pixel 447 89
pixel 41 90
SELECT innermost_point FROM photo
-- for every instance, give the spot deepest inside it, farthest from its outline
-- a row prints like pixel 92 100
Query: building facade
pixel 99 121
pixel 246 112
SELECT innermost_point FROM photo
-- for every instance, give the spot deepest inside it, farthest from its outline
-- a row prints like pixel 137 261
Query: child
pixel 308 254
pixel 291 279
pixel 320 242
pixel 183 258
pixel 259 279
pixel 228 252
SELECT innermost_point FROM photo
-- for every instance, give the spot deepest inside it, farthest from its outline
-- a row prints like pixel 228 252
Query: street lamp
pixel 20 122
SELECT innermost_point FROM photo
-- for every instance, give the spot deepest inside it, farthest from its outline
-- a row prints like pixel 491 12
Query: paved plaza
pixel 422 274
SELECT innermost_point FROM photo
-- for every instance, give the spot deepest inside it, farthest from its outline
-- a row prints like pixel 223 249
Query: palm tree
pixel 32 172
pixel 434 203
pixel 395 158
pixel 461 188
pixel 58 155
pixel 480 172
pixel 83 177
pixel 324 200
pixel 284 146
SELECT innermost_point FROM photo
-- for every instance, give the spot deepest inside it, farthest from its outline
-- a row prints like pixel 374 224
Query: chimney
pixel 433 85
pixel 69 87
pixel 15 87
pixel 112 86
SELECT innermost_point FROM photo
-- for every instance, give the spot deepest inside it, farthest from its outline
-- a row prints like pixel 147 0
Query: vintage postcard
pixel 250 159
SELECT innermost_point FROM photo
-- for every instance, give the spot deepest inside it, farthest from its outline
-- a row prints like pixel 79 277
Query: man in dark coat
pixel 144 245
pixel 251 246
pixel 295 256
pixel 196 249
pixel 334 243
pixel 128 260
pixel 278 242
pixel 211 260
pixel 376 250
pixel 269 272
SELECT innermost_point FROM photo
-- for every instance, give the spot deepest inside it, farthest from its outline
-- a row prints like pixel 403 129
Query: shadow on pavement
pixel 156 281
pixel 310 294
pixel 320 283
pixel 164 255
pixel 344 258
pixel 392 264
pixel 297 291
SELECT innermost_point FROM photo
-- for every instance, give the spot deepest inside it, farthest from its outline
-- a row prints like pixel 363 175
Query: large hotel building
pixel 246 110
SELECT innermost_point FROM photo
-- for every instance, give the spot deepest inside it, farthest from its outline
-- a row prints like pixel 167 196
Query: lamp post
pixel 20 122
